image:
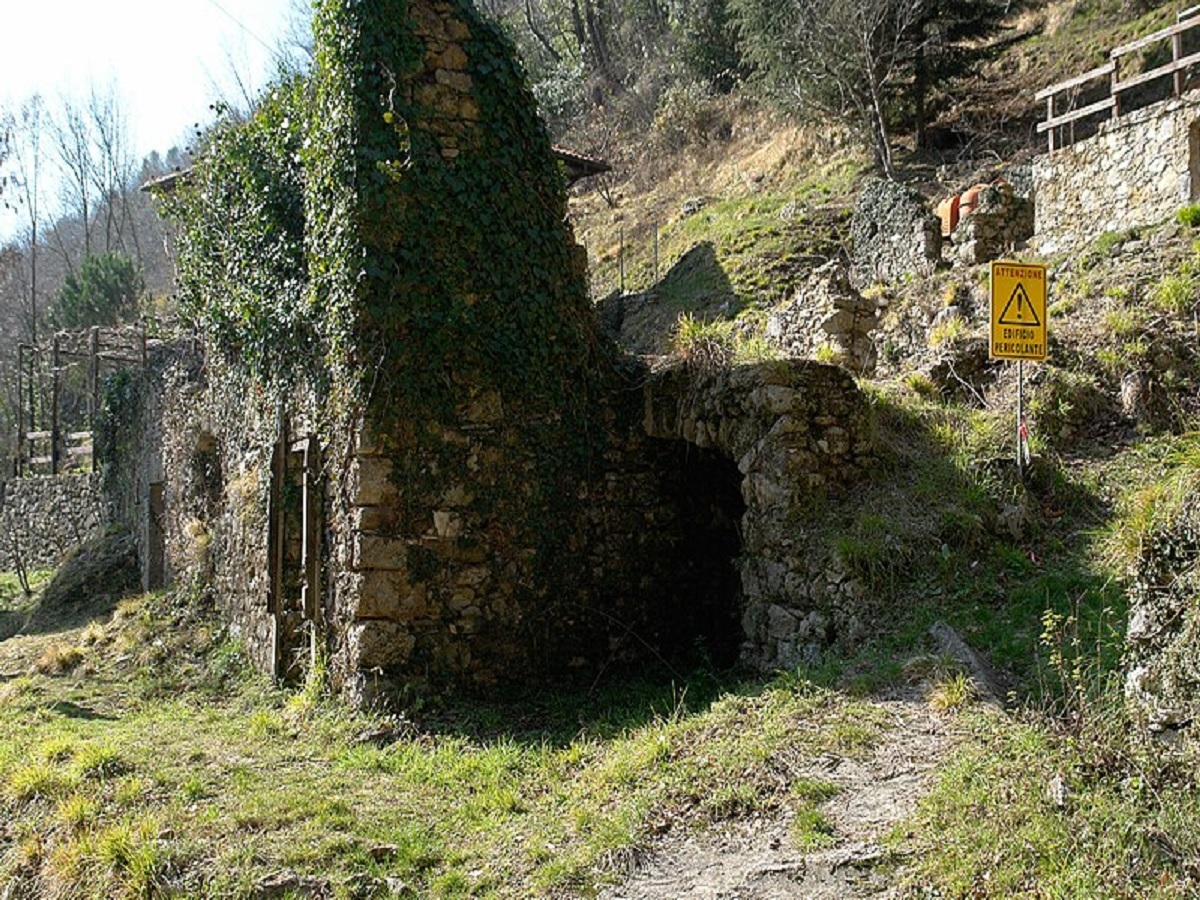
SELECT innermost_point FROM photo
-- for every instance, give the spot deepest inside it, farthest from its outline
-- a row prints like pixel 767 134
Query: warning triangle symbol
pixel 1019 310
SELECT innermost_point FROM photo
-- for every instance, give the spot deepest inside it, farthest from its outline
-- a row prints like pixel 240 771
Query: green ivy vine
pixel 330 234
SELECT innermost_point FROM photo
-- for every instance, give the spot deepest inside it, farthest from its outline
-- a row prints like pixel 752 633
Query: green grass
pixel 537 793
pixel 1189 215
pixel 993 827
pixel 1175 293
pixel 163 764
pixel 1164 472
pixel 737 253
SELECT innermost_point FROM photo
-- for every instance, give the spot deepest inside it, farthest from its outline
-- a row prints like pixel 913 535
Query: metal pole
pixel 1020 417
pixel 54 431
pixel 621 260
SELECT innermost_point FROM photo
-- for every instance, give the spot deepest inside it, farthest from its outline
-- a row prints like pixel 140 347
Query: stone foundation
pixel 828 314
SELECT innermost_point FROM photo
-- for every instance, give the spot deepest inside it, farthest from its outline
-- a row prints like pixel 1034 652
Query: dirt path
pixel 758 861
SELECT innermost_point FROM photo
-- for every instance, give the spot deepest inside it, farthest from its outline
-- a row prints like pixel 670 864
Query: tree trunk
pixel 538 35
pixel 920 88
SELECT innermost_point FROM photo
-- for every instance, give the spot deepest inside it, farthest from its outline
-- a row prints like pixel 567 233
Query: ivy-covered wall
pixel 482 426
pixel 380 257
pixel 389 290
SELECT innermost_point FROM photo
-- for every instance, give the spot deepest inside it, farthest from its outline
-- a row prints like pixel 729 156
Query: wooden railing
pixel 1072 88
pixel 44 446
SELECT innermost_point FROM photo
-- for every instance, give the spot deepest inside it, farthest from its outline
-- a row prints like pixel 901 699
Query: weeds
pixel 948 331
pixel 58 659
pixel 1189 215
pixel 1175 294
pixel 952 693
pixel 40 780
pixel 706 346
pixel 703 345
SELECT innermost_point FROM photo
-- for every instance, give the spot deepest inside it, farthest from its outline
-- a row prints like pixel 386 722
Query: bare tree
pixel 25 190
pixel 113 170
pixel 5 133
pixel 836 57
pixel 73 147
pixel 97 179
pixel 295 49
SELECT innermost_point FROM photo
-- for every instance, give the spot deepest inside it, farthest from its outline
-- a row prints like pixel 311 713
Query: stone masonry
pixel 1163 640
pixel 502 534
pixel 43 518
pixel 797 432
pixel 1001 223
pixel 828 313
pixel 1137 170
pixel 893 234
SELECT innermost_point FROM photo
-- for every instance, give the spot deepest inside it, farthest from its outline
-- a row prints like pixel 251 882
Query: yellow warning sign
pixel 1018 311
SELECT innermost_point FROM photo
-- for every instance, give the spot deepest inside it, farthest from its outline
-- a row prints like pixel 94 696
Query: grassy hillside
pixel 139 756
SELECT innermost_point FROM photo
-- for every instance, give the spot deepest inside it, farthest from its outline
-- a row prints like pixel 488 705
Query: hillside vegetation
pixel 140 756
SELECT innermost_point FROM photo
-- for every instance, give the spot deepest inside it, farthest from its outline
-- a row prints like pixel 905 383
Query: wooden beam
pixel 1153 74
pixel 1076 114
pixel 56 384
pixel 1160 35
pixel 20 408
pixel 1090 75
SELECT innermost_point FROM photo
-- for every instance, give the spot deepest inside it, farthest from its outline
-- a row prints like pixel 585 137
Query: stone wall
pixel 43 518
pixel 1137 170
pixel 798 433
pixel 1163 640
pixel 893 234
pixel 828 313
pixel 187 446
pixel 508 503
pixel 1001 223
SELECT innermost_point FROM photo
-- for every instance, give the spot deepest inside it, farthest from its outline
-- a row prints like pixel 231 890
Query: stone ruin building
pixel 437 471
pixel 442 473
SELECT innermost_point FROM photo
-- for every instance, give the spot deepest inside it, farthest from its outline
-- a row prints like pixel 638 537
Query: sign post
pixel 1018 329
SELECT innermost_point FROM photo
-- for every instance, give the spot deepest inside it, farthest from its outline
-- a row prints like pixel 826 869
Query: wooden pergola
pixel 58 440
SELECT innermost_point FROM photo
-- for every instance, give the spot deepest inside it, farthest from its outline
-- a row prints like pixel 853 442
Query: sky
pixel 166 62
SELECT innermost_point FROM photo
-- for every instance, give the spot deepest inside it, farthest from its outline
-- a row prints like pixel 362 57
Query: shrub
pixel 685 115
pixel 1189 215
pixel 703 345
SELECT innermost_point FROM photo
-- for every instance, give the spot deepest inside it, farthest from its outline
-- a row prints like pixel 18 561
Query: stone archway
pixel 788 434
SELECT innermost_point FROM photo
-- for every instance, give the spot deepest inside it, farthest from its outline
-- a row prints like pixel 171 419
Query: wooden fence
pixel 69 368
pixel 1061 111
